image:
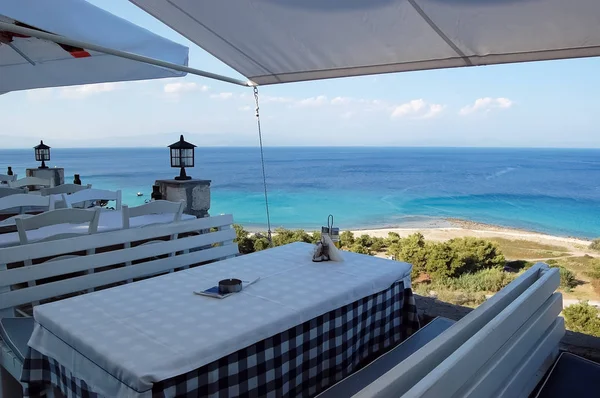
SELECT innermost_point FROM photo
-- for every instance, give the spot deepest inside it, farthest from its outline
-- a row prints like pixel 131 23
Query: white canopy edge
pixel 281 41
pixel 123 54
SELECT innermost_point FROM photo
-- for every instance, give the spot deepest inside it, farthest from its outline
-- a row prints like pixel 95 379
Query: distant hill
pixel 150 140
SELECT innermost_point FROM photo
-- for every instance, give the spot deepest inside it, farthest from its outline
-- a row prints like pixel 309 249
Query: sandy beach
pixel 453 228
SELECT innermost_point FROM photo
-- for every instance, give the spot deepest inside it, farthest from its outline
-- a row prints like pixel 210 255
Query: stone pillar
pixel 56 175
pixel 195 194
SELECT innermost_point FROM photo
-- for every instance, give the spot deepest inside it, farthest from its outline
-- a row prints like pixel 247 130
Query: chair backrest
pixel 154 207
pixel 4 191
pixel 21 200
pixel 480 352
pixel 28 181
pixel 195 245
pixel 64 188
pixel 5 178
pixel 89 195
pixel 57 217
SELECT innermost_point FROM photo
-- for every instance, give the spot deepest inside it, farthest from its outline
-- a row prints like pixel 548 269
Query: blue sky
pixel 543 104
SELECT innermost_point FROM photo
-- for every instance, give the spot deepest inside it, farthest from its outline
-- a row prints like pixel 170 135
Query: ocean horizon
pixel 548 190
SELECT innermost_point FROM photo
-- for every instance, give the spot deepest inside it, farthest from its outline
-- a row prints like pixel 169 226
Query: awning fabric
pixel 278 41
pixel 59 65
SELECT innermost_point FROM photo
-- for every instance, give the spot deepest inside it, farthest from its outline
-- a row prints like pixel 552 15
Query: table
pixel 110 220
pixel 301 328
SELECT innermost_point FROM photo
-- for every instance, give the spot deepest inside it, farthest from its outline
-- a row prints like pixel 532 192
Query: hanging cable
pixel 262 161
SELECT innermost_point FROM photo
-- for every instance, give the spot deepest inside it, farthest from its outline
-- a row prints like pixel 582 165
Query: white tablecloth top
pixel 110 220
pixel 155 329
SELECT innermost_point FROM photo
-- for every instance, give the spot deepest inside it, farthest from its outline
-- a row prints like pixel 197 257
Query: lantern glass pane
pixel 42 154
pixel 187 157
pixel 175 160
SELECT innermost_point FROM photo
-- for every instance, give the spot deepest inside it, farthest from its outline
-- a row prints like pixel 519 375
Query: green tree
pixel 347 239
pixel 315 237
pixel 260 242
pixel 472 254
pixel 583 318
pixel 359 248
pixel 567 278
pixel 244 241
pixel 411 250
pixel 284 236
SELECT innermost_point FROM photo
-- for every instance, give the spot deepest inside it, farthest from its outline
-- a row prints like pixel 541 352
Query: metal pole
pixel 123 54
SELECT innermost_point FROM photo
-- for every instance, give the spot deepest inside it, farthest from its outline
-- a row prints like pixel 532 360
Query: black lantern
pixel 182 156
pixel 42 153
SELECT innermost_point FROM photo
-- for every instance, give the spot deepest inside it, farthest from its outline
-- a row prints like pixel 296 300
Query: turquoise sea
pixel 555 191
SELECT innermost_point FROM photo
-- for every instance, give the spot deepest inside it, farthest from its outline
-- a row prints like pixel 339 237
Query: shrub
pixel 583 318
pixel 412 250
pixel 347 239
pixel 261 243
pixel 472 254
pixel 284 236
pixel 393 237
pixel 595 245
pixel 315 237
pixel 244 241
pixel 567 279
pixel 378 244
pixel 487 280
pixel 462 255
pixel 358 248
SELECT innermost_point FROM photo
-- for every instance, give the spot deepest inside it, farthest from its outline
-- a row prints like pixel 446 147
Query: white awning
pixel 27 62
pixel 278 41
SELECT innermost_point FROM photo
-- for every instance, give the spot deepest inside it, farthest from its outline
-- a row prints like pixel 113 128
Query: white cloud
pixel 245 108
pixel 312 101
pixel 485 105
pixel 222 96
pixel 408 108
pixel 182 87
pixel 347 115
pixel 434 110
pixel 341 101
pixel 86 90
pixel 280 100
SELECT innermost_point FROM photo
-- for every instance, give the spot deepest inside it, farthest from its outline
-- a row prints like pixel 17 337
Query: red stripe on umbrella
pixel 7 37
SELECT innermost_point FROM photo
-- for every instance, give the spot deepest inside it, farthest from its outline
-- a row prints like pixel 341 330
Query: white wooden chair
pixel 91 195
pixel 154 207
pixel 5 191
pixel 23 200
pixel 5 178
pixel 30 181
pixel 501 349
pixel 55 218
pixel 64 189
pixel 66 280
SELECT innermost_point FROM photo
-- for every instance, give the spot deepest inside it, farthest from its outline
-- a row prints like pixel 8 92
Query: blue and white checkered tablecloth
pixel 300 356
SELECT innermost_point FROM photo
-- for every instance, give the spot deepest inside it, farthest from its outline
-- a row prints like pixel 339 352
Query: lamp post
pixel 182 156
pixel 42 153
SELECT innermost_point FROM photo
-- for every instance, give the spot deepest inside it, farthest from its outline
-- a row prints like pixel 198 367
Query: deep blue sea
pixel 548 190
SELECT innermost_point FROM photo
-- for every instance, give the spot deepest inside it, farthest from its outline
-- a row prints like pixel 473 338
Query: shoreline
pixel 463 228
pixel 449 228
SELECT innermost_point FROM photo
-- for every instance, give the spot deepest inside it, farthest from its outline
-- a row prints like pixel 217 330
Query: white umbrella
pixel 278 41
pixel 27 62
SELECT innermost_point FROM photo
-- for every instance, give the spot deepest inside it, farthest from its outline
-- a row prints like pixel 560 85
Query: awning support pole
pixel 123 54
